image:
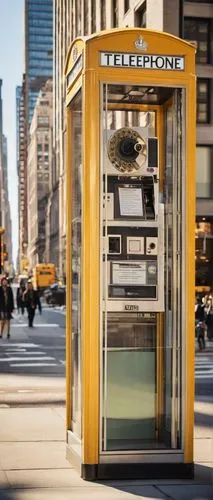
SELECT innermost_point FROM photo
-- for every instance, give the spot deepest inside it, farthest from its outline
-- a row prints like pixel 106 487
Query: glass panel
pixel 141 361
pixel 130 407
pixel 76 107
pixel 174 270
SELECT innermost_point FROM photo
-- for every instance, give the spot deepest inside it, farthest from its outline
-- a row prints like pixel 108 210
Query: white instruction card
pixel 131 204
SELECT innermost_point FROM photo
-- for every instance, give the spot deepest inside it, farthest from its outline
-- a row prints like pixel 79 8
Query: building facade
pixel 38 177
pixel 38 49
pixel 38 69
pixel 21 152
pixel 192 20
pixel 5 215
pixel 198 26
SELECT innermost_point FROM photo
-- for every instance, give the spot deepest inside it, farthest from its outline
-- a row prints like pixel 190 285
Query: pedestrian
pixel 209 318
pixel 200 326
pixel 20 297
pixel 32 301
pixel 6 306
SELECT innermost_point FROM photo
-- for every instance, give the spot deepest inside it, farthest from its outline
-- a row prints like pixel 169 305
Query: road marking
pixel 204 368
pixel 40 325
pixel 13 365
pixel 21 351
pixel 20 344
pixel 44 358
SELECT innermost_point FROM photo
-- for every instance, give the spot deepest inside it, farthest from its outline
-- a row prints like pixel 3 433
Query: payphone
pixel 130 254
pixel 133 221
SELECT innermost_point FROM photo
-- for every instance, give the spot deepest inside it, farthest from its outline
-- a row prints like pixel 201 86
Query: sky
pixel 11 70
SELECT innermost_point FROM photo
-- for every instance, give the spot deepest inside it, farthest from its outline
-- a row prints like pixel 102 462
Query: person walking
pixel 6 306
pixel 200 326
pixel 209 318
pixel 32 301
pixel 20 297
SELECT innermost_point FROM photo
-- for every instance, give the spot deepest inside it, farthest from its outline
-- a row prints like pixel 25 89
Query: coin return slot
pixel 114 245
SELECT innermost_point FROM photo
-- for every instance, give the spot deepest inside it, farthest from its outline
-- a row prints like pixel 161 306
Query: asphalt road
pixel 32 361
pixel 204 374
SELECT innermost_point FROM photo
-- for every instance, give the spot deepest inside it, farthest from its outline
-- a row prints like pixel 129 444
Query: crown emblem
pixel 140 44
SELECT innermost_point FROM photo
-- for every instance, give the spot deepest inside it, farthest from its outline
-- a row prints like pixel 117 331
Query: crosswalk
pixel 27 355
pixel 204 367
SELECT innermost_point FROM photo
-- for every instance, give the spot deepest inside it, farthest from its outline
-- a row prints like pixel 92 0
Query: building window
pixel 43 120
pixel 126 6
pixel 93 15
pixel 46 147
pixel 115 13
pixel 198 30
pixel 103 15
pixel 203 100
pixel 39 147
pixel 204 172
pixel 86 18
pixel 140 16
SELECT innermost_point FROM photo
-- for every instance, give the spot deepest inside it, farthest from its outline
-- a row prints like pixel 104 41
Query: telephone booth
pixel 130 254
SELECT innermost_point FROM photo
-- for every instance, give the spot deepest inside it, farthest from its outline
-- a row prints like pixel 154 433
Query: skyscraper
pixel 38 49
pixel 21 127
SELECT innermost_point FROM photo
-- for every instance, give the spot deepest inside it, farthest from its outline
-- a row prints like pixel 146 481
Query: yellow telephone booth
pixel 130 254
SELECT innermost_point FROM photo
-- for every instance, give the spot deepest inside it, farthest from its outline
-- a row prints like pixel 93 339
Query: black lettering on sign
pixel 123 60
pixel 169 63
pixel 131 307
pixel 159 62
pixel 117 60
pixel 177 63
pixel 132 60
pixel 139 61
pixel 108 57
pixel 146 60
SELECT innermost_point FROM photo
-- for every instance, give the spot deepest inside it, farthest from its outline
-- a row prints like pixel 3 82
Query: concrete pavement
pixel 33 464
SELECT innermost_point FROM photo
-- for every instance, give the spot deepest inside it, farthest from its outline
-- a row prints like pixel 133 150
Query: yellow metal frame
pixel 89 77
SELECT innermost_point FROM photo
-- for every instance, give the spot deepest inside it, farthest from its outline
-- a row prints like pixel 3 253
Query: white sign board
pixel 129 274
pixel 131 203
pixel 143 61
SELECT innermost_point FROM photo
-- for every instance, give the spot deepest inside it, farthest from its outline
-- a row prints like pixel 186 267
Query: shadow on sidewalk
pixel 203 419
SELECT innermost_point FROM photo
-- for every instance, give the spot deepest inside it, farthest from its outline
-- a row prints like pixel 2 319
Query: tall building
pixel 38 176
pixel 192 20
pixel 38 69
pixel 21 148
pixel 1 151
pixel 198 26
pixel 5 215
pixel 38 49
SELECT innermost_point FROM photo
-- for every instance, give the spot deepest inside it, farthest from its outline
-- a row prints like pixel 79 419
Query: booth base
pixel 137 471
pixel 95 472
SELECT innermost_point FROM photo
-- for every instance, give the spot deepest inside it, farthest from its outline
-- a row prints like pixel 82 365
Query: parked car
pixel 55 295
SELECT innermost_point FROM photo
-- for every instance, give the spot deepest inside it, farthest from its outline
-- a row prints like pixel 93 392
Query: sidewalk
pixel 33 464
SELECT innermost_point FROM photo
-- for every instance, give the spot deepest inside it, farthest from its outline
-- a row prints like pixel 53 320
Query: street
pixel 32 361
pixel 204 374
